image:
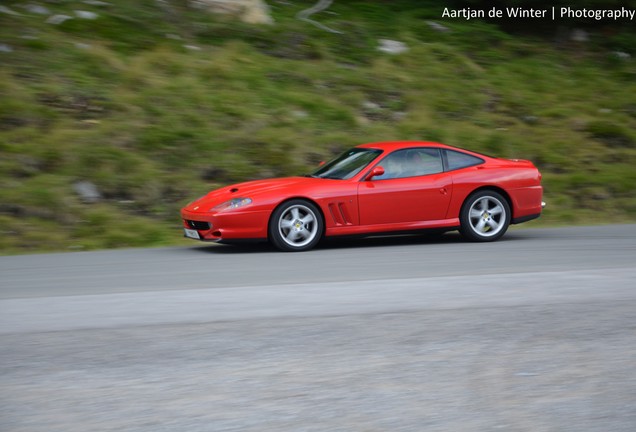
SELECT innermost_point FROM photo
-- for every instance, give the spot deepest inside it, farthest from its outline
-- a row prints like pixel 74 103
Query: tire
pixel 485 216
pixel 296 226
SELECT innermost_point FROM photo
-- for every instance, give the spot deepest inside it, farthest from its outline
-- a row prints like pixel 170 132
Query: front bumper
pixel 231 225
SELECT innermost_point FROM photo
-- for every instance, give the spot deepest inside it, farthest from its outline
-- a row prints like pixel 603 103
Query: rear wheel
pixel 296 226
pixel 485 216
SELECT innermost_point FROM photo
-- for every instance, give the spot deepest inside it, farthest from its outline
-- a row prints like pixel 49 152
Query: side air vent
pixel 339 214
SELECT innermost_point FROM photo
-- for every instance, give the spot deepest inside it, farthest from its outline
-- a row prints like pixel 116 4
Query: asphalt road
pixel 536 332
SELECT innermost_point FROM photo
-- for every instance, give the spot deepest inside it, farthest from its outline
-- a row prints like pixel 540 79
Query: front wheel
pixel 296 226
pixel 485 216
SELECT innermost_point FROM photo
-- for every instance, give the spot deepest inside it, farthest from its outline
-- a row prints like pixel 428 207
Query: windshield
pixel 347 164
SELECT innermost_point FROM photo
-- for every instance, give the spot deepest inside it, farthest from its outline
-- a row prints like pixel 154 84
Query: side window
pixel 411 163
pixel 457 160
pixel 392 165
pixel 424 161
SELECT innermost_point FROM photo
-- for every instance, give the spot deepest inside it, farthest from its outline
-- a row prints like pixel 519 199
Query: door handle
pixel 443 191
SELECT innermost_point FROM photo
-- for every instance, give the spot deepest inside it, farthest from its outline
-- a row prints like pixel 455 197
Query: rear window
pixel 457 160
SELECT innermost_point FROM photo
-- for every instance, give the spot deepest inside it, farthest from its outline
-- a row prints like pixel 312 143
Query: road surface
pixel 536 332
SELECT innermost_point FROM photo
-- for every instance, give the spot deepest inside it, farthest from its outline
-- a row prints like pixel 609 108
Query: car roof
pixel 390 146
pixel 397 145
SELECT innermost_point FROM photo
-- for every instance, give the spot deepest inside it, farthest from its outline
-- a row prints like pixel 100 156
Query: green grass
pixel 121 102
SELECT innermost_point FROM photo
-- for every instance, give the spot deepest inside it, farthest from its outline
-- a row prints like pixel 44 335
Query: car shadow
pixel 448 238
pixel 391 240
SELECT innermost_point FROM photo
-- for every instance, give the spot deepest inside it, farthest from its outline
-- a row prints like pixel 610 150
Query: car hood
pixel 251 189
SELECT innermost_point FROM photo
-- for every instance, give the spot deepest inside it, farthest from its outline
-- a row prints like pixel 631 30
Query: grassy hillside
pixel 154 104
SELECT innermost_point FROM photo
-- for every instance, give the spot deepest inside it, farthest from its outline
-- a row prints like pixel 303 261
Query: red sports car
pixel 385 187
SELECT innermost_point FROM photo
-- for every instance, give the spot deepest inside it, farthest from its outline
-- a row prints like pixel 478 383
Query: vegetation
pixel 156 103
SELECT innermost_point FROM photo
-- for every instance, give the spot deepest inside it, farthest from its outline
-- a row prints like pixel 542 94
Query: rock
pixel 392 46
pixel 36 9
pixel 87 191
pixel 58 19
pixel 398 116
pixel 579 35
pixel 8 11
pixel 96 3
pixel 6 48
pixel 90 122
pixel 258 13
pixel 29 166
pixel 248 11
pixel 371 106
pixel 86 14
pixel 81 45
pixel 622 55
pixel 265 173
pixel 192 47
pixel 299 114
pixel 438 27
pixel 530 119
pixel 372 111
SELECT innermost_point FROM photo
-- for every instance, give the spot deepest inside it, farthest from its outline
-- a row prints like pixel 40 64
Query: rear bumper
pixel 526 218
pixel 527 203
pixel 529 217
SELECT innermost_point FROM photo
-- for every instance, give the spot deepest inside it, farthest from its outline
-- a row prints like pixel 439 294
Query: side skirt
pixel 409 227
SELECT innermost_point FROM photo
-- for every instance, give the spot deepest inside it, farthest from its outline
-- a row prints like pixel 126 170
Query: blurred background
pixel 114 114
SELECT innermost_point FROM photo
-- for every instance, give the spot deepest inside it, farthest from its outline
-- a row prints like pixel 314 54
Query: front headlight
pixel 232 204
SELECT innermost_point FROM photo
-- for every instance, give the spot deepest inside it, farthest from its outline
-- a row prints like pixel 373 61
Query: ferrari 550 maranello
pixel 376 188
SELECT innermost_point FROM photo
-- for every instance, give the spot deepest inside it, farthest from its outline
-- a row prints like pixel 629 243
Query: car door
pixel 413 188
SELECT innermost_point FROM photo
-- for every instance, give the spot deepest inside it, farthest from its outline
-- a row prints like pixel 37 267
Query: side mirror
pixel 377 171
